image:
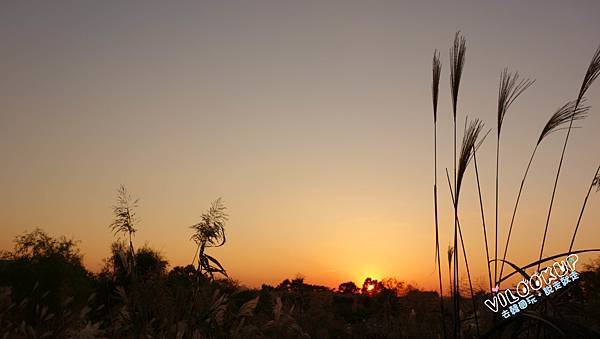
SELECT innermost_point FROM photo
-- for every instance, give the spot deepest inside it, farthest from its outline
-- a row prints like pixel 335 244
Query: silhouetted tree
pixel 38 244
pixel 371 287
pixel 393 285
pixel 41 266
pixel 150 263
pixel 348 288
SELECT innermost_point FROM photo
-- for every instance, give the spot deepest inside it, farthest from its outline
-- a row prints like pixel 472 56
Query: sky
pixel 311 119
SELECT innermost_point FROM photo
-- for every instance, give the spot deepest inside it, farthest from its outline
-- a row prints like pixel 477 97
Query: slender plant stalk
pixel 466 262
pixel 450 254
pixel 469 143
pixel 487 251
pixel 456 272
pixel 595 181
pixel 512 220
pixel 591 74
pixel 509 90
pixel 436 65
pixel 496 211
pixel 196 254
pixel 562 155
pixel 456 290
pixel 457 61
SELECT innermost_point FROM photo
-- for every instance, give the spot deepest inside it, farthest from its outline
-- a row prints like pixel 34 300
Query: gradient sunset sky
pixel 312 119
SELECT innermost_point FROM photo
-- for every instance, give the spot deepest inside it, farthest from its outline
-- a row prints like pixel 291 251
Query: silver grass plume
pixel 457 62
pixel 435 85
pixel 592 73
pixel 562 116
pixel 469 144
pixel 508 91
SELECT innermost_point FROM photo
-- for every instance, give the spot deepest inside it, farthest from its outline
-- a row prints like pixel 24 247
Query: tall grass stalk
pixel 462 243
pixel 556 122
pixel 590 75
pixel 435 86
pixel 469 143
pixel 457 62
pixel 509 90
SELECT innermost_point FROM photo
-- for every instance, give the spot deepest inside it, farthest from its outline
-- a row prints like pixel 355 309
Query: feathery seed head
pixel 562 116
pixel 592 73
pixel 124 211
pixel 469 143
pixel 457 62
pixel 508 91
pixel 450 254
pixel 435 85
pixel 210 231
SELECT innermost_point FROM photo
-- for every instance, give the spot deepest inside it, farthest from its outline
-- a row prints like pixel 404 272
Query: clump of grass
pixel 511 87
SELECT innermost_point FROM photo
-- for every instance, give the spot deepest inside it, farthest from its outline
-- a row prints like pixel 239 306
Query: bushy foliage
pixel 44 290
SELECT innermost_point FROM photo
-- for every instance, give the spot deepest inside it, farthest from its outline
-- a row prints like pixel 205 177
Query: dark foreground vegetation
pixel 46 292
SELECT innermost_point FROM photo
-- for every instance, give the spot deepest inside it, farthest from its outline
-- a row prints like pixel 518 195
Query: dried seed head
pixel 508 91
pixel 563 116
pixel 592 73
pixel 469 144
pixel 435 85
pixel 457 63
pixel 450 253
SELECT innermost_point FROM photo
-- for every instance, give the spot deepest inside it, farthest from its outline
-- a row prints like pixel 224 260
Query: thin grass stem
pixel 593 183
pixel 436 70
pixel 512 220
pixel 462 243
pixel 487 251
